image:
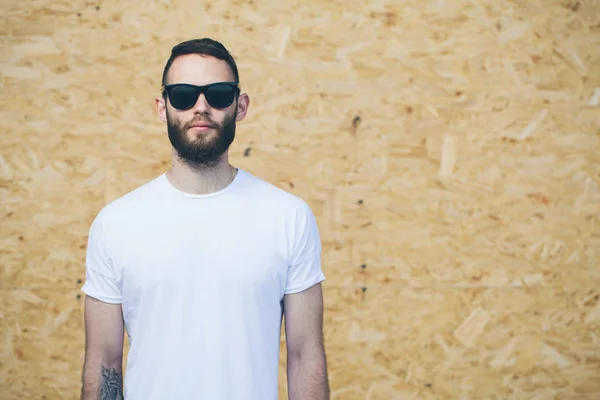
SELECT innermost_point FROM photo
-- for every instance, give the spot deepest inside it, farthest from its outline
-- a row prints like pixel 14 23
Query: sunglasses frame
pixel 202 90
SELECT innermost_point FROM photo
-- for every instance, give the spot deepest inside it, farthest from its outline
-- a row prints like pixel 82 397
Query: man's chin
pixel 207 138
pixel 199 131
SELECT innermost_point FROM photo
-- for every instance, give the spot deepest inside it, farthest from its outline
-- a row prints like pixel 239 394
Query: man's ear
pixel 161 108
pixel 242 106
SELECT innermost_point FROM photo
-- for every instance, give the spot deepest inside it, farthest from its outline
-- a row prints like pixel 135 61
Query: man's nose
pixel 201 105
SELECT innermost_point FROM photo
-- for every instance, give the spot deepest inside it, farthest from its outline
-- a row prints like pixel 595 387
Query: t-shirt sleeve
pixel 305 269
pixel 102 280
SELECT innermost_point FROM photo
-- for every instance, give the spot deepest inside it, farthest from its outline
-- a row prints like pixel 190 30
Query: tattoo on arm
pixel 111 387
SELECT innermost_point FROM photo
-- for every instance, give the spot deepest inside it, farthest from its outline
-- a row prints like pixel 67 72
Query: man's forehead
pixel 199 69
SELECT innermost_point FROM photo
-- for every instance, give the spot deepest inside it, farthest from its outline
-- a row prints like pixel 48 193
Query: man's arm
pixel 102 377
pixel 306 360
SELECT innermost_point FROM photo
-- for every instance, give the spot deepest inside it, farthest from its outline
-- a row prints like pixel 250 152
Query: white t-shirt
pixel 201 280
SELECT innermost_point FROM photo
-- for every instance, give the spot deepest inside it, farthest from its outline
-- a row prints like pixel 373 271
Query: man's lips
pixel 202 126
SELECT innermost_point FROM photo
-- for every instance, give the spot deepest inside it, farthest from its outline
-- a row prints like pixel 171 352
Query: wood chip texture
pixel 449 149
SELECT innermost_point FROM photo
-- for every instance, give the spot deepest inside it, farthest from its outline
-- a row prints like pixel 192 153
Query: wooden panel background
pixel 449 149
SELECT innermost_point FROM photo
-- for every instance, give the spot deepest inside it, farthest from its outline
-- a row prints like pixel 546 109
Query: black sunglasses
pixel 184 96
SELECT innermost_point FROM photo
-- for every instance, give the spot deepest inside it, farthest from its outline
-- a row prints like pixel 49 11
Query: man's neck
pixel 201 180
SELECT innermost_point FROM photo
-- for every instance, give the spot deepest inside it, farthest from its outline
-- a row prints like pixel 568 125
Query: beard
pixel 201 153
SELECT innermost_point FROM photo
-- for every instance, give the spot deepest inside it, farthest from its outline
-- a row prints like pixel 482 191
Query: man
pixel 201 264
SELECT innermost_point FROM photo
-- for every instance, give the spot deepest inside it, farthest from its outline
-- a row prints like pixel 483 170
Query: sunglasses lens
pixel 220 95
pixel 183 97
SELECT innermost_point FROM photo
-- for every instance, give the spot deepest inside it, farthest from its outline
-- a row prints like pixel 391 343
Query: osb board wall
pixel 449 151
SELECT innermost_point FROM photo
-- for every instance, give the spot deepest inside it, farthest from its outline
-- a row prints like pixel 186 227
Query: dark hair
pixel 205 46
